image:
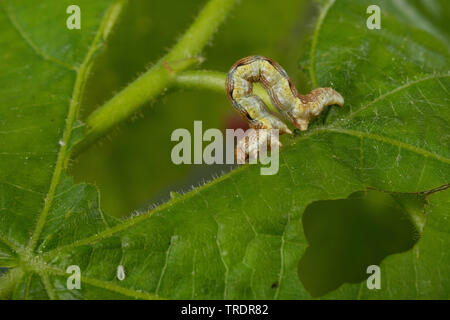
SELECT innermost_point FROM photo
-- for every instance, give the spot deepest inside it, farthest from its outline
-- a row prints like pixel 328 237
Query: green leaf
pixel 43 74
pixel 241 235
pixel 347 236
pixel 420 273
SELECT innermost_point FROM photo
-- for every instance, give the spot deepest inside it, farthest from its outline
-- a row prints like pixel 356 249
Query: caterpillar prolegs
pixel 298 109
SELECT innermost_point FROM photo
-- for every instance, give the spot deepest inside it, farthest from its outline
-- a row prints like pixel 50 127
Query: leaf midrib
pixel 315 39
pixel 77 95
pixel 385 95
pixel 330 128
pixel 107 285
pixel 132 221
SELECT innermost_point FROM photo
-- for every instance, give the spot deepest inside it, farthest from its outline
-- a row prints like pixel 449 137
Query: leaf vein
pixel 387 94
pixel 80 82
pixel 312 52
pixel 27 39
pixel 391 141
pixel 283 241
pixel 166 262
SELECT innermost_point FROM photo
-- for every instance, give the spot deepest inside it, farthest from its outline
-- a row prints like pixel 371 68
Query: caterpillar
pixel 298 109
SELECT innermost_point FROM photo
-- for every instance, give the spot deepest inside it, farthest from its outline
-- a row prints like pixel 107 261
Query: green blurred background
pixel 132 166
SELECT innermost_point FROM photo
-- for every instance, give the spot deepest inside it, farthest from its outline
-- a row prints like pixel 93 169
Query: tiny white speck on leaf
pixel 120 272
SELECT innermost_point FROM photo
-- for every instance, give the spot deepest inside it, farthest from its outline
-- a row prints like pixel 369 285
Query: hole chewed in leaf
pixel 348 235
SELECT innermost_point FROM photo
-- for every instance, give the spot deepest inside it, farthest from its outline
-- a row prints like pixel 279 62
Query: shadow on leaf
pixel 348 235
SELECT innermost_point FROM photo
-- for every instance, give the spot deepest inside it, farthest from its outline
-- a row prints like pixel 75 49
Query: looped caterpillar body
pixel 298 109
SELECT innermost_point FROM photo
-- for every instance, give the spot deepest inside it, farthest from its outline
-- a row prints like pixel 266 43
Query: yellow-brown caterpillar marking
pixel 297 108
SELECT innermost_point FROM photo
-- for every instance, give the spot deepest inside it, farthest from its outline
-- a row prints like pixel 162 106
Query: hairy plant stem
pixel 159 77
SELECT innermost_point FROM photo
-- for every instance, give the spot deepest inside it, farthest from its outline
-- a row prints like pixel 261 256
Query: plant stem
pixel 158 78
pixel 215 81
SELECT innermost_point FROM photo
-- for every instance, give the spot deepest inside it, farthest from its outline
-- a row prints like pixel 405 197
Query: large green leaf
pixel 43 74
pixel 241 235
